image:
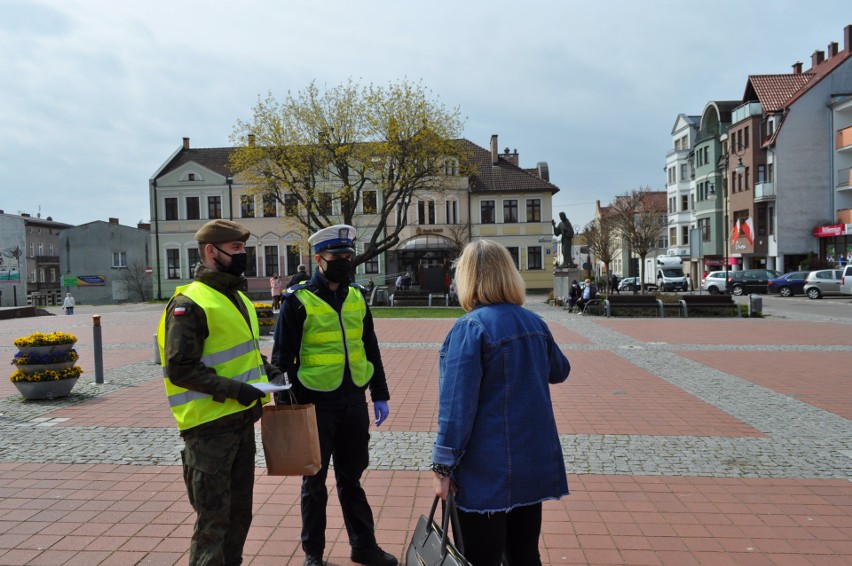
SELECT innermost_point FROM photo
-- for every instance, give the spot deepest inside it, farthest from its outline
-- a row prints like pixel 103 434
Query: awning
pixel 425 242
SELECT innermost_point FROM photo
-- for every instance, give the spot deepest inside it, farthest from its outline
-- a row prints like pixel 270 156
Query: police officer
pixel 208 338
pixel 325 338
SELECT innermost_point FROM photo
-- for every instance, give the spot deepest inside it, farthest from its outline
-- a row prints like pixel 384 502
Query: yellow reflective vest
pixel 329 339
pixel 231 349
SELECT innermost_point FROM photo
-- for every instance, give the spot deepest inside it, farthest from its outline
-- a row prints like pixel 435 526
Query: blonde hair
pixel 486 274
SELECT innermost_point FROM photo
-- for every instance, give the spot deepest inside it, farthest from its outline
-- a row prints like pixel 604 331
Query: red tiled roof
pixel 773 91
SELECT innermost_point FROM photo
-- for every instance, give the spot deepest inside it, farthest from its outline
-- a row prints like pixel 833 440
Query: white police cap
pixel 335 239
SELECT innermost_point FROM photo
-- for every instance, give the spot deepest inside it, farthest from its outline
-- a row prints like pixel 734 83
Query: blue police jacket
pixel 495 418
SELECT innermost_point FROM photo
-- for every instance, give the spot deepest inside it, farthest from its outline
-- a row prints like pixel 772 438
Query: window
pixel 294 258
pixel 450 167
pixel 684 235
pixel 193 210
pixel 324 204
pixel 761 173
pixel 246 206
pixel 747 178
pixel 270 206
pixel 369 201
pixel 53 276
pixel 761 221
pixel 52 249
pixel 745 136
pixel 173 264
pixel 684 203
pixel 486 212
pixel 270 254
pixel 671 175
pixel 291 205
pixel 119 259
pixel 673 235
pixel 33 276
pixel 214 207
pixel 251 261
pixel 32 251
pixel 769 172
pixel 510 211
pixel 534 261
pixel 452 211
pixel 171 208
pixel 41 277
pixel 533 210
pixel 41 248
pixel 190 176
pixel 192 259
pixel 426 212
pixel 372 265
pixel 770 219
pixel 683 172
pixel 515 253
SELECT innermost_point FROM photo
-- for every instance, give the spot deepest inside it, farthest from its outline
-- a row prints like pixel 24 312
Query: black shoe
pixel 311 560
pixel 374 557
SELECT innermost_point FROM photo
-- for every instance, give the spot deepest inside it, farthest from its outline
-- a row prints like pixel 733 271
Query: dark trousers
pixel 218 469
pixel 487 536
pixel 344 434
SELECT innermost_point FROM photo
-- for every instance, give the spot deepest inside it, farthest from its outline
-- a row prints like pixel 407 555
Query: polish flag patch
pixel 180 311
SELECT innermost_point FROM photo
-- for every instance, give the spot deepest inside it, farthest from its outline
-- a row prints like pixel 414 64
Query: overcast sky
pixel 97 94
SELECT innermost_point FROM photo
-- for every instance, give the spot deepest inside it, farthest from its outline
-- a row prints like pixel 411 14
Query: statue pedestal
pixel 562 278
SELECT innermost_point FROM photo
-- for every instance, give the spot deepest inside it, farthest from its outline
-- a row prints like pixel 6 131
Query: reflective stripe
pixel 217 358
pixel 186 396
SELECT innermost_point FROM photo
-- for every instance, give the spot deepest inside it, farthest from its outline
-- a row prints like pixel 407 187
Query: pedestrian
pixel 398 283
pixel 300 276
pixel 275 291
pixel 613 284
pixel 208 338
pixel 406 281
pixel 369 286
pixel 588 293
pixel 497 446
pixel 574 294
pixel 326 343
pixel 68 304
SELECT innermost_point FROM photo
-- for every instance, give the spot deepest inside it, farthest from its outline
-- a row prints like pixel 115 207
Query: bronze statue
pixel 566 233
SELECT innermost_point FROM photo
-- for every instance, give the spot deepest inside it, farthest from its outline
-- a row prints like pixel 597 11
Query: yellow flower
pixel 42 339
pixel 48 375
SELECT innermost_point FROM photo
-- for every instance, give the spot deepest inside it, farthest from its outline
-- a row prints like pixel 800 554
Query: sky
pixel 97 94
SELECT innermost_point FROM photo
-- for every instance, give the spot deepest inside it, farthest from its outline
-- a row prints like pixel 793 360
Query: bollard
pixel 99 350
pixel 755 305
pixel 156 350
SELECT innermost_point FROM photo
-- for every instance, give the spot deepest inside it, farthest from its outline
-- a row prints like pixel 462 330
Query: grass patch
pixel 416 312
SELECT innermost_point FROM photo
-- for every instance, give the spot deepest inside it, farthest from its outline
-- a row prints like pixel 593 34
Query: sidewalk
pixel 687 441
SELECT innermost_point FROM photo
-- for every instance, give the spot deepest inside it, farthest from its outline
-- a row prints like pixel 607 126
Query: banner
pixel 12 277
pixel 83 280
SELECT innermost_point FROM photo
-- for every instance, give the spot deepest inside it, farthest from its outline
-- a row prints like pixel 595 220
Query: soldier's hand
pixel 248 394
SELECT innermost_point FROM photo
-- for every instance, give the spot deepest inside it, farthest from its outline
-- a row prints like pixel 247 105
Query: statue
pixel 566 233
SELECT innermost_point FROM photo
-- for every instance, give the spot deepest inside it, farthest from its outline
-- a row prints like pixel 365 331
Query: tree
pixel 321 154
pixel 137 281
pixel 602 238
pixel 640 216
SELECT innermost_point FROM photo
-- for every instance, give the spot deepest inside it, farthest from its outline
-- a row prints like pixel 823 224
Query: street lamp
pixel 711 196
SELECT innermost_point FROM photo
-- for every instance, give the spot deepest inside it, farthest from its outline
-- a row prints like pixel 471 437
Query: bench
pixel 624 302
pixel 724 303
pixel 417 297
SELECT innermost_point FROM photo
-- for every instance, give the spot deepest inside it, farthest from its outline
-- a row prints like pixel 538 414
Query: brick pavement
pixel 687 442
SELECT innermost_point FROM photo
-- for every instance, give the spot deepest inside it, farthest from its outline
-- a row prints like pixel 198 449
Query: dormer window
pixel 190 176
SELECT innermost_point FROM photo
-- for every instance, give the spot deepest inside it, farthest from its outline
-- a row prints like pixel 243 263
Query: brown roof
pixel 773 91
pixel 503 177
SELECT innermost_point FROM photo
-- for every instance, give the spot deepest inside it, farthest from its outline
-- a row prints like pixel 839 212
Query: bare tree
pixel 137 281
pixel 602 238
pixel 458 235
pixel 640 216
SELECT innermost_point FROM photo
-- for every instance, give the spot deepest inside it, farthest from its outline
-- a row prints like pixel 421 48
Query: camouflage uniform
pixel 218 458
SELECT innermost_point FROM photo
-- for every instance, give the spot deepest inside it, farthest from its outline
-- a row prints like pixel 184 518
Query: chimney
pixel 494 156
pixel 817 58
pixel 797 68
pixel 847 38
pixel 511 157
pixel 113 221
pixel 251 140
pixel 144 226
pixel 186 143
pixel 832 49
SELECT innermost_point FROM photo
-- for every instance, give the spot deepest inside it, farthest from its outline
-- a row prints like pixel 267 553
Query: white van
pixel 670 275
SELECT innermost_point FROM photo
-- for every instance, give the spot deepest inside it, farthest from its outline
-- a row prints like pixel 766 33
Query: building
pixel 498 200
pixel 107 263
pixel 29 260
pixel 679 192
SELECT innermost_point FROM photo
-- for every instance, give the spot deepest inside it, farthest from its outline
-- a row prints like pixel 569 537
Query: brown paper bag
pixel 290 440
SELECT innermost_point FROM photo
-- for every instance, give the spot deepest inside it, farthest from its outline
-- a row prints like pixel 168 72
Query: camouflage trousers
pixel 218 469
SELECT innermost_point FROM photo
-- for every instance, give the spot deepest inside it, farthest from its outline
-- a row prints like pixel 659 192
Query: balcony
pixel 41 259
pixel 844 140
pixel 764 191
pixel 844 179
pixel 748 109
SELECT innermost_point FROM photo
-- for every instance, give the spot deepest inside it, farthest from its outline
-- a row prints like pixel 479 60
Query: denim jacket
pixel 495 419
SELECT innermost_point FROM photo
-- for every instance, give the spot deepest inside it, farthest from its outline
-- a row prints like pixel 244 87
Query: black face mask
pixel 238 263
pixel 337 270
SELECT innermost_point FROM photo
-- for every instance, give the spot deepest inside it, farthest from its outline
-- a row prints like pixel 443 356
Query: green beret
pixel 221 231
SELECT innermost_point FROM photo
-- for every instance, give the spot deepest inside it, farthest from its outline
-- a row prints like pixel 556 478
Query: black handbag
pixel 431 545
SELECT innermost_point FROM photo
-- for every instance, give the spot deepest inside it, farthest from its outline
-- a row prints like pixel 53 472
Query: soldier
pixel 208 338
pixel 332 372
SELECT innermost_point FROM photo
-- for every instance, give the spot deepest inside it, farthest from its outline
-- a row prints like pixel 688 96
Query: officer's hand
pixel 381 410
pixel 248 394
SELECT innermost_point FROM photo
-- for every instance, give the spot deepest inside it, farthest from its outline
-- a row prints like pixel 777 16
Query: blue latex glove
pixel 382 411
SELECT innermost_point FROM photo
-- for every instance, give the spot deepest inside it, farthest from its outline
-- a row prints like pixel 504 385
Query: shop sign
pixel 829 231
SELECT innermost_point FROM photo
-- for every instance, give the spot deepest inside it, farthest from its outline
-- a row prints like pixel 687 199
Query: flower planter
pixel 33 390
pixel 35 368
pixel 43 350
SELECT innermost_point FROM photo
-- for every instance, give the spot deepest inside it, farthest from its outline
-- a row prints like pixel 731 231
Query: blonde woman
pixel 497 446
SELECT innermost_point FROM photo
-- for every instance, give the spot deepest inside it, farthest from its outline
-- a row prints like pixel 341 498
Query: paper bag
pixel 290 440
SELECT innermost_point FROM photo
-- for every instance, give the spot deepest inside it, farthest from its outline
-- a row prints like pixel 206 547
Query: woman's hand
pixel 442 486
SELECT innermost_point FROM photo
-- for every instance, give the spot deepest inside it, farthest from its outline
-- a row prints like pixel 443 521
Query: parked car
pixel 846 281
pixel 627 284
pixel 823 282
pixel 748 281
pixel 714 283
pixel 789 284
